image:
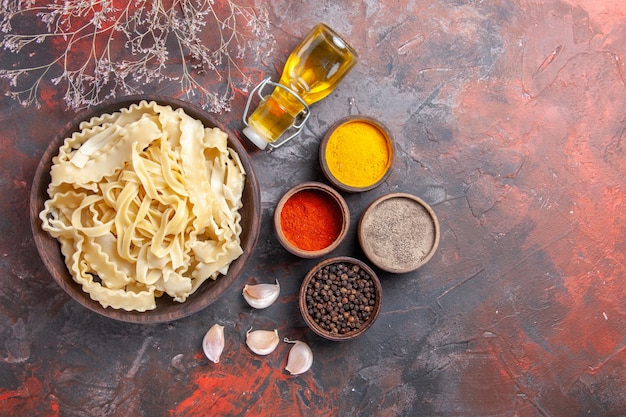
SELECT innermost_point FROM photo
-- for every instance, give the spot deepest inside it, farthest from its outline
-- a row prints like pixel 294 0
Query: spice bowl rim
pixel 311 185
pixel 368 211
pixel 324 144
pixel 367 324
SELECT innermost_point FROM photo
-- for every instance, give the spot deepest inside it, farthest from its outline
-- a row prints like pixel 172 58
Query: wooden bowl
pixel 167 309
pixel 398 232
pixel 339 206
pixel 350 150
pixel 307 300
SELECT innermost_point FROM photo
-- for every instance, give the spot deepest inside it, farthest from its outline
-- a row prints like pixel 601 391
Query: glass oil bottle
pixel 311 72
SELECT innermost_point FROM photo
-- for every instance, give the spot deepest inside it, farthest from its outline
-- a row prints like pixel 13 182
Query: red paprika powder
pixel 311 220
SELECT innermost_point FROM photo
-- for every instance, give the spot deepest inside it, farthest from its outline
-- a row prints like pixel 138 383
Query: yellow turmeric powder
pixel 358 153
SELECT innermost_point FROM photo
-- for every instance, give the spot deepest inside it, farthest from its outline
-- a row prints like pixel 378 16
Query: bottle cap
pixel 255 137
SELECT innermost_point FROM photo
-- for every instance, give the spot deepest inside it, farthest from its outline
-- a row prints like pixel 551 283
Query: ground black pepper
pixel 398 233
pixel 341 297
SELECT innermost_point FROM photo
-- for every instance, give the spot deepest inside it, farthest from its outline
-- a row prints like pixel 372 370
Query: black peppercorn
pixel 339 297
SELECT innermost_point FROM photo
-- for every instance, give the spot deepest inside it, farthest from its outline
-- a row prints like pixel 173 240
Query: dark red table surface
pixel 508 118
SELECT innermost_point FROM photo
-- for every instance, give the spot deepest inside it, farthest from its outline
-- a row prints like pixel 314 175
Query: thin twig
pixel 144 29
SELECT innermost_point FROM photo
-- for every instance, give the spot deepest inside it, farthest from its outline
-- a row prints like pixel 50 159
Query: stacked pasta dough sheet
pixel 145 202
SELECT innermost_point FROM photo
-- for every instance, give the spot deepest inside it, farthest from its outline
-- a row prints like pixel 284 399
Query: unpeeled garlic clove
pixel 261 295
pixel 262 342
pixel 300 357
pixel 213 343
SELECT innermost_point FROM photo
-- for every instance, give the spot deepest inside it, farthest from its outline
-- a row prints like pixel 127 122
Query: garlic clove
pixel 262 342
pixel 261 295
pixel 300 357
pixel 213 343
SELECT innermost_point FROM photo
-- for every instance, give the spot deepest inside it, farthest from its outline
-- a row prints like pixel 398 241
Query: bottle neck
pixel 274 115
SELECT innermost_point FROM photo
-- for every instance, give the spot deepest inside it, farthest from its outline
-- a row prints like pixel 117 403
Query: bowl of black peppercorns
pixel 340 298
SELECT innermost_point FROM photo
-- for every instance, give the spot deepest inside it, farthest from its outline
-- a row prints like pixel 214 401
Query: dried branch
pixel 99 49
